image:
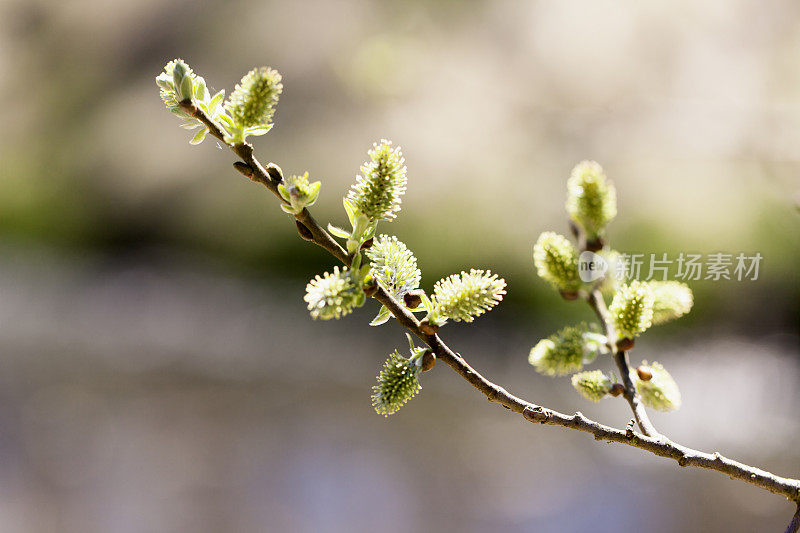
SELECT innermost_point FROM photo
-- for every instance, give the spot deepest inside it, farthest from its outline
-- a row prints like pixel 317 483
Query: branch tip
pixel 243 168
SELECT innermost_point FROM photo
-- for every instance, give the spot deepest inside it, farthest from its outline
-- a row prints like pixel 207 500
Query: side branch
pixel 596 302
pixel 650 441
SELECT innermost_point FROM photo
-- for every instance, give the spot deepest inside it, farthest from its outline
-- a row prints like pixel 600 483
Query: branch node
pixel 244 169
pixel 427 328
pixel 535 413
pixel 569 295
pixel 683 460
pixel 428 360
pixel 579 417
pixel 245 150
pixel 273 171
pixel 629 428
pixel 625 344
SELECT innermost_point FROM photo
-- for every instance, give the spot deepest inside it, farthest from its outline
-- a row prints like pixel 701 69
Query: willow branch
pixel 596 302
pixel 271 176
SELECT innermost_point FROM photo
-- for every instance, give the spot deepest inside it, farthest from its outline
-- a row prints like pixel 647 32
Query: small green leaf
pixel 338 232
pixel 216 100
pixel 350 209
pixel 191 125
pixel 164 81
pixel 200 88
pixel 260 130
pixel 199 136
pixel 383 316
pixel 284 193
pixel 181 113
pixel 187 87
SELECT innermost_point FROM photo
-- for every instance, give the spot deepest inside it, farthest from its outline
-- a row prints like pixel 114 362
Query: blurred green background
pixel 160 372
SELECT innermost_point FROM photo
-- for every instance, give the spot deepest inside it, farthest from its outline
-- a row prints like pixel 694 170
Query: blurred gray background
pixel 158 369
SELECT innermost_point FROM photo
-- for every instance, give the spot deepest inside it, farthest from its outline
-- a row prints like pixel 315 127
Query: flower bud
pixel 182 80
pixel 644 373
pixel 428 360
pixel 397 383
pixel 625 344
pixel 556 261
pixel 465 296
pixel 568 350
pixel 334 295
pixel 660 391
pixel 185 94
pixel 176 84
pixel 377 192
pixel 299 193
pixel 631 309
pixel 252 103
pixel 671 300
pixel 243 168
pixel 591 200
pixel 427 328
pixel 394 265
pixel 593 385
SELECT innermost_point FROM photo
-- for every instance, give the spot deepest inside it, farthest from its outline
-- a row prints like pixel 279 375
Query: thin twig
pixel 596 302
pixel 654 443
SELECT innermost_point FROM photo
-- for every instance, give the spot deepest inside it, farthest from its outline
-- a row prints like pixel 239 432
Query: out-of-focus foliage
pixel 700 143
